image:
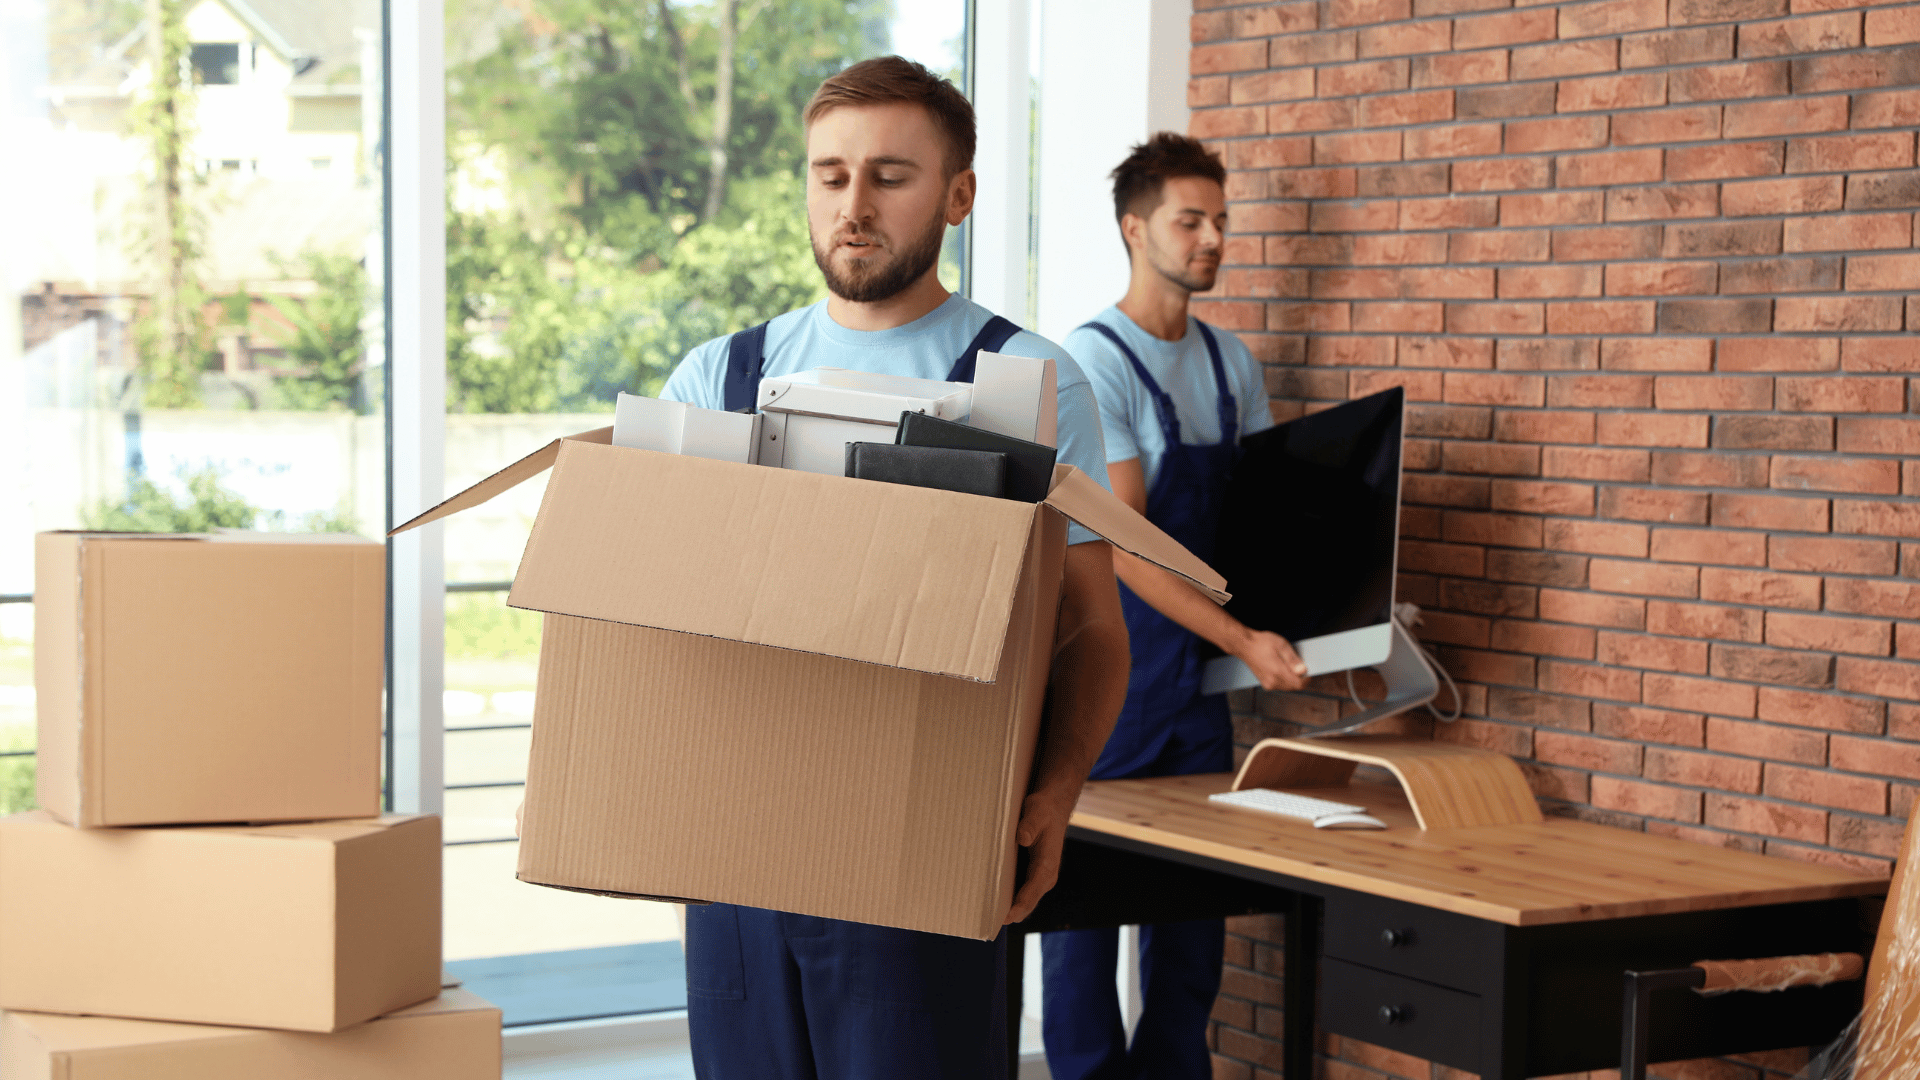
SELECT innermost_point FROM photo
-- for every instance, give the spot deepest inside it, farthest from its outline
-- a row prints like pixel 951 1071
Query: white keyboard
pixel 1285 803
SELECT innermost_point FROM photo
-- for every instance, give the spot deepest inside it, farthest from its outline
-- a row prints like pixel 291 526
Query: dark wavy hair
pixel 1139 180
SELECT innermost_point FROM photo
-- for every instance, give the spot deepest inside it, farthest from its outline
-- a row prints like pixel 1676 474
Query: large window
pixel 194 337
pixel 191 335
pixel 624 183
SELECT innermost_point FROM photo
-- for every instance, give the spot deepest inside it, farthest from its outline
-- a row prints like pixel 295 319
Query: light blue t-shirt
pixel 1132 428
pixel 922 349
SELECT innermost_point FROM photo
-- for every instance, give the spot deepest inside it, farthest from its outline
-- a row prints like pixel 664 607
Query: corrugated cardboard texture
pixel 670 765
pixel 907 577
pixel 57 647
pixel 383 909
pixel 839 773
pixel 454 1037
pixel 209 679
pixel 307 927
pixel 1081 498
pixel 1074 494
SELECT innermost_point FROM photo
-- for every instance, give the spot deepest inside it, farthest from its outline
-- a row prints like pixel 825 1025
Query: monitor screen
pixel 1307 536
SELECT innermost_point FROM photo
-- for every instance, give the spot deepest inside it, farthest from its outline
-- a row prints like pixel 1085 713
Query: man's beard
pixel 872 284
pixel 1189 277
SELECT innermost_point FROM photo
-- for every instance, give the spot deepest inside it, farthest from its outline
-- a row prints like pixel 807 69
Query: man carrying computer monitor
pixel 1175 398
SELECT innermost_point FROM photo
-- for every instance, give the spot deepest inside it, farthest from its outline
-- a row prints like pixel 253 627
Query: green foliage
pixel 532 332
pixel 321 333
pixel 170 336
pixel 599 274
pixel 480 626
pixel 149 507
pixel 209 505
pixel 584 97
pixel 16 773
pixel 341 519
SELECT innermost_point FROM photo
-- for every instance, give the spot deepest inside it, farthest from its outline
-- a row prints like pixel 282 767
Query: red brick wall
pixel 1645 268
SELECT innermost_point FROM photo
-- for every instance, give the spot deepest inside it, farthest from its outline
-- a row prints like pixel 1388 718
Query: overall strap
pixel 1229 408
pixel 991 336
pixel 746 357
pixel 1162 404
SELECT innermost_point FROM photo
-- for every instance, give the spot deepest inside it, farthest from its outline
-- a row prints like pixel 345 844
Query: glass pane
pixel 492 657
pixel 16 708
pixel 613 202
pixel 192 337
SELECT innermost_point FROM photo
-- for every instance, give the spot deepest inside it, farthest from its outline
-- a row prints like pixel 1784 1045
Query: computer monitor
pixel 1309 536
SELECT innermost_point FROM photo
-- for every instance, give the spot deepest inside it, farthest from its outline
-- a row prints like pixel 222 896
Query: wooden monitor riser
pixel 1450 786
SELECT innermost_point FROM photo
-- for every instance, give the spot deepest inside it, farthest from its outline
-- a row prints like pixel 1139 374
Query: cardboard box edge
pixel 503 480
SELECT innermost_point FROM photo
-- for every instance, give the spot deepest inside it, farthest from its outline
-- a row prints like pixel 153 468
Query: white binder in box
pixel 674 427
pixel 1016 396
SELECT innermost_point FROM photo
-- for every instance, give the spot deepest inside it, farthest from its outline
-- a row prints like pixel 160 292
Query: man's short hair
pixel 884 80
pixel 1139 180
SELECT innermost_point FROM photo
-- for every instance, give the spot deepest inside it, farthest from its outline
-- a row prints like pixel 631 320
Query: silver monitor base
pixel 1409 679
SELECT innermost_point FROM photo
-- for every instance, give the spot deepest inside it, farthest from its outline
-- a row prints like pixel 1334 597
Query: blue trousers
pixel 776 996
pixel 1179 962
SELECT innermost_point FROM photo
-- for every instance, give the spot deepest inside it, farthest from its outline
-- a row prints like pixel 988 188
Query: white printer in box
pixel 807 419
pixel 811 416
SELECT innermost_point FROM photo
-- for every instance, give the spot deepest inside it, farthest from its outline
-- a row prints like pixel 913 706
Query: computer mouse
pixel 1348 821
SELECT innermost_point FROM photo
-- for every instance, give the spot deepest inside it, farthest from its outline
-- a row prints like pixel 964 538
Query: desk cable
pixel 1408 616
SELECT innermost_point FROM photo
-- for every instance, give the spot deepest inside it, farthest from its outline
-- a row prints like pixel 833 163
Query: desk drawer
pixel 1418 942
pixel 1401 1014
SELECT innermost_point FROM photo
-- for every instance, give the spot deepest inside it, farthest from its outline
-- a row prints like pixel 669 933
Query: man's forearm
pixel 1089 686
pixel 1090 666
pixel 1179 601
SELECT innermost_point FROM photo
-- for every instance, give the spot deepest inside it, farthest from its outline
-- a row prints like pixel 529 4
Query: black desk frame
pixel 1526 1001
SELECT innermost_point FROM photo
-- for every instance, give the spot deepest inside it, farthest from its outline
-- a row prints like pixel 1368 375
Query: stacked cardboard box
pixel 210 889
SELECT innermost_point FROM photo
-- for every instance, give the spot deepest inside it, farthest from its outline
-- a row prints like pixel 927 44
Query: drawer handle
pixel 1395 1014
pixel 1396 938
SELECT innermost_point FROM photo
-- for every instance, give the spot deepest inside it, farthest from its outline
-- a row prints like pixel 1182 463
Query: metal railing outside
pixel 482 587
pixel 452 587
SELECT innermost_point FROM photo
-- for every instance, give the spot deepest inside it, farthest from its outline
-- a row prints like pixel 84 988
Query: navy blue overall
pixel 777 996
pixel 1166 728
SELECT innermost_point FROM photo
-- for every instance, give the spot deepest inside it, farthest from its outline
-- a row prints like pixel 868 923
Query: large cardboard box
pixel 228 677
pixel 789 690
pixel 456 1036
pixel 307 927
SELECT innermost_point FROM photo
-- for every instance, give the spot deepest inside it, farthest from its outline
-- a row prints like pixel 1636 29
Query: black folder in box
pixel 1029 464
pixel 972 472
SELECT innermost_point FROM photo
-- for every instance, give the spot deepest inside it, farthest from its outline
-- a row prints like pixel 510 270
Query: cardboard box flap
pixel 882 573
pixel 1081 498
pixel 512 476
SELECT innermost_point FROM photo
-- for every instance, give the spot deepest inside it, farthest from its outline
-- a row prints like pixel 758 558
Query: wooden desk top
pixel 1554 871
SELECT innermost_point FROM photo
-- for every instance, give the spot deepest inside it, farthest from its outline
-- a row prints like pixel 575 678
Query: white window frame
pixel 416 357
pixel 1112 73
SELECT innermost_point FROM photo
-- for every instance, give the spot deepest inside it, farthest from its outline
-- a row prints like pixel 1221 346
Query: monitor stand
pixel 1409 679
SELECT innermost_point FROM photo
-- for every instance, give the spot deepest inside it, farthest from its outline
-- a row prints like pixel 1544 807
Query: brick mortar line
pixel 1574 5
pixel 1621 35
pixel 1803 95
